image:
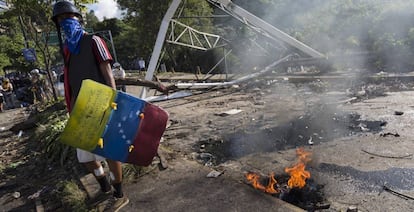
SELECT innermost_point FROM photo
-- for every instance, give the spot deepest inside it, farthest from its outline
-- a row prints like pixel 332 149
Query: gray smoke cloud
pixel 380 31
pixel 336 27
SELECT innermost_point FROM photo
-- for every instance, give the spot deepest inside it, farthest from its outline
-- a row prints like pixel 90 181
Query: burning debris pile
pixel 296 187
pixel 298 174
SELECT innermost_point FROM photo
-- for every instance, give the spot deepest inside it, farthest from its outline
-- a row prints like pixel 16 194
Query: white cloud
pixel 105 8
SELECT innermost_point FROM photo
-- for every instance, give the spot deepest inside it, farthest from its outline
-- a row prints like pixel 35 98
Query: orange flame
pixel 298 174
pixel 303 155
pixel 253 178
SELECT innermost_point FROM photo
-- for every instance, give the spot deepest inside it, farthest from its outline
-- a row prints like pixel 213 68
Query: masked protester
pixel 87 57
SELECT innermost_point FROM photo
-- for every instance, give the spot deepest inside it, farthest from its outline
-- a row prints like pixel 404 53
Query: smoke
pixel 381 27
pixel 380 31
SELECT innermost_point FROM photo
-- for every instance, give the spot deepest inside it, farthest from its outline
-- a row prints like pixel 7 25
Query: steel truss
pixel 184 35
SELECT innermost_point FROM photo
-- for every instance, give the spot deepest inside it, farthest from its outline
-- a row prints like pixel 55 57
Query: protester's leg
pixel 10 101
pixel 94 166
pixel 119 200
pixel 1 103
pixel 7 100
pixel 116 176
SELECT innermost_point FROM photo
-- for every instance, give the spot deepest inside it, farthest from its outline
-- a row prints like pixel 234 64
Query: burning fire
pixel 253 178
pixel 298 175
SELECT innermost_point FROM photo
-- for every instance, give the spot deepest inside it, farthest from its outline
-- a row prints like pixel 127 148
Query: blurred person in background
pixel 38 84
pixel 119 73
pixel 141 65
pixel 7 91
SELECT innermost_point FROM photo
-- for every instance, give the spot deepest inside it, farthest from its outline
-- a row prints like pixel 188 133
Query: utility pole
pixel 113 46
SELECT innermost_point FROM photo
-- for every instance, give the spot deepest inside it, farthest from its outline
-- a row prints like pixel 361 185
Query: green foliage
pixel 115 25
pixel 91 20
pixel 52 122
pixel 126 46
pixel 12 43
pixel 26 25
pixel 72 197
pixel 144 19
pixel 54 150
pixel 32 20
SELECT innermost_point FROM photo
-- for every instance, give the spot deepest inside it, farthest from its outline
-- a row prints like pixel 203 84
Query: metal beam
pixel 236 81
pixel 191 37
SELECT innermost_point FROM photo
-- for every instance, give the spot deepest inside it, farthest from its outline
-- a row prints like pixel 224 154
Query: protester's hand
pixel 161 87
pixel 165 89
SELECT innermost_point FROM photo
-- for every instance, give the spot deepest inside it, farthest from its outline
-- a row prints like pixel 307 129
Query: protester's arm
pixel 103 57
pixel 146 83
pixel 106 71
pixel 122 73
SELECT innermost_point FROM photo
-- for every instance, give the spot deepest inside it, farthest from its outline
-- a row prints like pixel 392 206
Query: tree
pixel 91 19
pixel 11 42
pixel 144 19
pixel 115 25
pixel 30 20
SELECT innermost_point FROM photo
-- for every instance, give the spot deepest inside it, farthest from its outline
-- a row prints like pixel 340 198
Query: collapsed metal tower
pixel 205 41
pixel 264 28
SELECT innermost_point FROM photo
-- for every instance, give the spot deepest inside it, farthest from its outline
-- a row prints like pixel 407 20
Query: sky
pixel 105 8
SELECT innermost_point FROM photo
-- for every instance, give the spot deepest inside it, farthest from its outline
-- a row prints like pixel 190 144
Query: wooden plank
pixel 91 185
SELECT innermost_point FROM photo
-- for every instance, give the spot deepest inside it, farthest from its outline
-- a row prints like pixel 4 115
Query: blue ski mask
pixel 73 33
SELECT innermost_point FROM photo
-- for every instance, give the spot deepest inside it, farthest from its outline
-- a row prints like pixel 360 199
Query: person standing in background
pixel 141 65
pixel 7 91
pixel 119 73
pixel 38 86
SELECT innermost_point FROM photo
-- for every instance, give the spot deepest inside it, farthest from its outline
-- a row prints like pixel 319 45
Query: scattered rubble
pixel 353 136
